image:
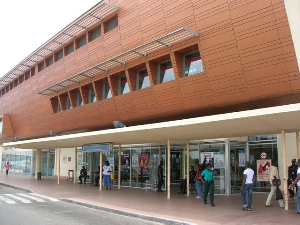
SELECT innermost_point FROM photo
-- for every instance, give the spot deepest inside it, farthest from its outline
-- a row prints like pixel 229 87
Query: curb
pixel 130 214
pixel 120 212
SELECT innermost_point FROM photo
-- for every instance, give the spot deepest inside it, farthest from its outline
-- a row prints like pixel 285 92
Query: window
pixel 32 72
pixel 41 66
pixel 27 75
pixel 16 82
pixel 95 33
pixel 49 61
pixel 58 109
pixel 142 79
pixel 11 85
pixel 59 55
pixel 111 24
pixel 192 64
pixel 123 87
pixel 69 49
pixel 106 92
pixel 81 42
pixel 1 126
pixel 21 79
pixel 6 89
pixel 165 72
pixel 68 103
pixel 91 97
pixel 78 99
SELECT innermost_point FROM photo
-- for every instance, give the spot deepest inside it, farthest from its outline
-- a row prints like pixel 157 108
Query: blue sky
pixel 27 24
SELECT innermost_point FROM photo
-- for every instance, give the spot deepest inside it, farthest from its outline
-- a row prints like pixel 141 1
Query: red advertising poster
pixel 263 167
pixel 144 161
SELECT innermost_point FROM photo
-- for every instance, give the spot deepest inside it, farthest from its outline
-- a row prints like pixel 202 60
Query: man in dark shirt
pixel 292 170
pixel 83 174
pixel 160 176
pixel 183 183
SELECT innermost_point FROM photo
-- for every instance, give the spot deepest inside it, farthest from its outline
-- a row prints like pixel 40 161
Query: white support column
pixel 284 170
pixel 298 145
pixel 101 172
pixel 169 170
pixel 247 151
pixel 119 173
pixel 227 168
pixel 75 166
pixel 187 168
pixel 58 165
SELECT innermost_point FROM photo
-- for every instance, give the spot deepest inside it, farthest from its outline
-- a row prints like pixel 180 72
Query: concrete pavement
pixel 142 203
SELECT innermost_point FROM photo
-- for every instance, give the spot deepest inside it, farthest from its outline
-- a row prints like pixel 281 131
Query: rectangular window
pixel 58 109
pixel 81 42
pixel 123 87
pixel 16 82
pixel 142 79
pixel 165 72
pixel 59 55
pixel 70 49
pixel 106 93
pixel 78 99
pixel 1 126
pixel 32 72
pixel 111 24
pixel 49 61
pixel 11 85
pixel 68 103
pixel 95 33
pixel 21 79
pixel 91 97
pixel 6 89
pixel 27 75
pixel 192 64
pixel 41 66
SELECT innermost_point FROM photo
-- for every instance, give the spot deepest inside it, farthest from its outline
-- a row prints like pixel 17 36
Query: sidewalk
pixel 154 204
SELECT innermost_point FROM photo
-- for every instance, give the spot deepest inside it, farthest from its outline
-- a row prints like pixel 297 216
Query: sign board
pixel 219 160
pixel 263 171
pixel 263 155
pixel 95 147
pixel 242 158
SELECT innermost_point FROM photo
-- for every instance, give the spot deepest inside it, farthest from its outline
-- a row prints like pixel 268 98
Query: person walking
pixel 297 181
pixel 198 179
pixel 83 174
pixel 292 172
pixel 273 174
pixel 247 186
pixel 106 175
pixel 7 167
pixel 209 186
pixel 160 176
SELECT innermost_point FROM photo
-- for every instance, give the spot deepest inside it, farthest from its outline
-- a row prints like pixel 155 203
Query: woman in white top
pixel 106 175
pixel 297 181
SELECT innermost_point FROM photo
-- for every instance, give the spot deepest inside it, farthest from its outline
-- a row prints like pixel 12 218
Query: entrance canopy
pixel 237 124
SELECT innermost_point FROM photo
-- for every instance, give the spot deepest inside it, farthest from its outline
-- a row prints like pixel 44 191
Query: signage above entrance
pixel 95 147
pixel 263 155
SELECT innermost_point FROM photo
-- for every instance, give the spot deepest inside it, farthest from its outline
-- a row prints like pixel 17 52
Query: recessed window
pixel 7 89
pixel 81 42
pixel 106 92
pixel 68 103
pixel 111 24
pixel 16 82
pixel 78 99
pixel 41 66
pixel 58 109
pixel 91 96
pixel 94 34
pixel 69 49
pixel 59 55
pixel 21 79
pixel 49 61
pixel 123 87
pixel 11 85
pixel 1 126
pixel 192 64
pixel 27 75
pixel 165 72
pixel 32 72
pixel 142 79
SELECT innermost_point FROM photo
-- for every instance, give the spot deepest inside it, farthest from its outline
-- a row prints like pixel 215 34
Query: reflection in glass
pixel 123 85
pixel 106 93
pixel 192 64
pixel 143 80
pixel 165 72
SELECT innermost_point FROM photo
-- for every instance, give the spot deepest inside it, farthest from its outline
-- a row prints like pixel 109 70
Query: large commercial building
pixel 203 79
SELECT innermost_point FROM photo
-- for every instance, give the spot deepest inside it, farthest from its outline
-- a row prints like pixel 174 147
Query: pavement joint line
pixel 18 188
pixel 130 214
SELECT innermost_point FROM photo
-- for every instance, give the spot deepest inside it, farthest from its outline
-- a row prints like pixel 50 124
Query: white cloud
pixel 26 25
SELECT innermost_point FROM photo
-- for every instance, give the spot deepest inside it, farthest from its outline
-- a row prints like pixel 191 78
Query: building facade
pixel 146 62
